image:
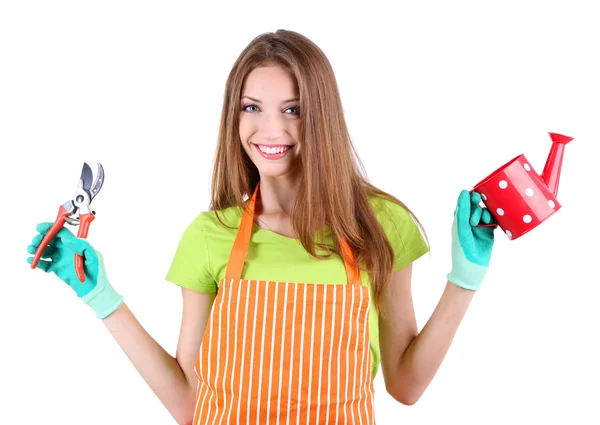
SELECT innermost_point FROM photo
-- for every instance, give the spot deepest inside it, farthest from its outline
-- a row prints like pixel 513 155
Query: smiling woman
pixel 296 281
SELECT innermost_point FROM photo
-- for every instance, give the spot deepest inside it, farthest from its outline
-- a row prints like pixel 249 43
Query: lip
pixel 272 156
pixel 271 146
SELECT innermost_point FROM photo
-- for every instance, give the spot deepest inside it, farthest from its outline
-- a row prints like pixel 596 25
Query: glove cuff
pixel 103 299
pixel 471 279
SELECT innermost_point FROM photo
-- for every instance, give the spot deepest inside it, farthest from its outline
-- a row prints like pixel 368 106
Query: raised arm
pixel 171 378
pixel 409 358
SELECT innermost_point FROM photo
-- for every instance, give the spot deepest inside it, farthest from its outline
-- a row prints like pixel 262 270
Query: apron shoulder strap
pixel 237 256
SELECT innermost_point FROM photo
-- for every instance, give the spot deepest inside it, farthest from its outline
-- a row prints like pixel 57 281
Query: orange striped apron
pixel 285 353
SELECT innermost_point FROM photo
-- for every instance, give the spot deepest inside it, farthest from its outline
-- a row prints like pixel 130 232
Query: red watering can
pixel 518 198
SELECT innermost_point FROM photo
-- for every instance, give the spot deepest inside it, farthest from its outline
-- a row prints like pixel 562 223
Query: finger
pixel 37 239
pixel 475 198
pixel 42 264
pixel 476 213
pixel 484 233
pixel 463 208
pixel 486 217
pixel 48 252
pixel 63 232
pixel 78 245
pixel 43 227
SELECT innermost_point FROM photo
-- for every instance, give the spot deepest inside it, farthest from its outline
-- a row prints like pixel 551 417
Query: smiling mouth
pixel 273 149
pixel 273 152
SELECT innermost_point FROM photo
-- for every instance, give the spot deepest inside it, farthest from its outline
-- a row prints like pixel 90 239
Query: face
pixel 270 122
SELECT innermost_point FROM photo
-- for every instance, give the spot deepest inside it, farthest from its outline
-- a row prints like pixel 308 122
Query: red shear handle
pixel 84 227
pixel 58 223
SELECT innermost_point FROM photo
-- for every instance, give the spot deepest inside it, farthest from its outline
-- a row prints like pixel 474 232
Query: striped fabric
pixel 285 353
pixel 255 364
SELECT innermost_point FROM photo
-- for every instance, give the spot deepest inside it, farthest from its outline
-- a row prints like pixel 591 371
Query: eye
pixel 295 110
pixel 245 108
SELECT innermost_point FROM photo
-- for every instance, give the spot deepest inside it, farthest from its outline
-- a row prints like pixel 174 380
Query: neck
pixel 278 195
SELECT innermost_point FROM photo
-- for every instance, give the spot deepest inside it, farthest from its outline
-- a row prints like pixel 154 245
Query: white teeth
pixel 269 150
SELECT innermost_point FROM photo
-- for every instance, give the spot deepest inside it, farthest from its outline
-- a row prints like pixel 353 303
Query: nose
pixel 271 126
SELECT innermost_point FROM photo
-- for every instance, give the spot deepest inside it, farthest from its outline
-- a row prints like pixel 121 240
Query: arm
pixel 410 359
pixel 172 379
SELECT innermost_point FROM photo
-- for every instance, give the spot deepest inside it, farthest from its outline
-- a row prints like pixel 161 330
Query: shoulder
pixel 193 263
pixel 401 228
pixel 389 212
pixel 207 227
pixel 211 221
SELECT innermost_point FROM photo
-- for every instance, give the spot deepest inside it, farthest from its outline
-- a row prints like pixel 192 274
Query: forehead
pixel 270 82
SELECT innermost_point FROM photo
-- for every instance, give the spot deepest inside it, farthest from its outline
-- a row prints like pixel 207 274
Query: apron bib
pixel 285 352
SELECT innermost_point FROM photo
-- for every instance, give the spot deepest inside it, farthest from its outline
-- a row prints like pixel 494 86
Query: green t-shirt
pixel 201 257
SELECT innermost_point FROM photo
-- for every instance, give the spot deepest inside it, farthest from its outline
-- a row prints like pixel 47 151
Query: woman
pixel 296 282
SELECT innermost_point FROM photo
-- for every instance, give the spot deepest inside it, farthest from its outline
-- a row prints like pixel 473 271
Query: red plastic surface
pixel 58 223
pixel 84 227
pixel 518 197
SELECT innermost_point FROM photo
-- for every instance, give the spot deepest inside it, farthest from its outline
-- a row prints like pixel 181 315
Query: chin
pixel 276 171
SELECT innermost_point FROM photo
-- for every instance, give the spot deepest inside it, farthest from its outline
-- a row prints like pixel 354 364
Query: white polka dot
pixel 529 191
pixel 551 203
pixel 527 218
pixel 526 166
pixel 483 197
pixel 509 234
pixel 500 211
pixel 503 184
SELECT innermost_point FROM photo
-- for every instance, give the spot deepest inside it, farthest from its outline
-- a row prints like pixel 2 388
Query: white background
pixel 436 96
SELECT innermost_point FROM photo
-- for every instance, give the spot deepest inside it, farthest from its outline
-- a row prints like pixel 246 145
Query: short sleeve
pixel 190 267
pixel 402 231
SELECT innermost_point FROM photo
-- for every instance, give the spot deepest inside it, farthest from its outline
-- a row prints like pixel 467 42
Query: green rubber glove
pixel 471 245
pixel 59 258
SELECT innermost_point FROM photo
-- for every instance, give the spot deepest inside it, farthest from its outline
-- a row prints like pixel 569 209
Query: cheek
pixel 243 129
pixel 295 130
pixel 243 133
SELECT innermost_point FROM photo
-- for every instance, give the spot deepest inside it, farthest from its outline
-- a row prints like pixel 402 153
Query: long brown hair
pixel 334 188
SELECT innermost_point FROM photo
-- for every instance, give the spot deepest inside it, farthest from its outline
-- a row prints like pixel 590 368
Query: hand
pixel 471 245
pixel 59 258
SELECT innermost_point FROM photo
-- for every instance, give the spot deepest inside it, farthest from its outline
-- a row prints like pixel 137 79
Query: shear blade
pixel 99 181
pixel 86 177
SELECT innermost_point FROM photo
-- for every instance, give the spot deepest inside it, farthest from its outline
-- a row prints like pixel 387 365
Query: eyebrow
pixel 294 99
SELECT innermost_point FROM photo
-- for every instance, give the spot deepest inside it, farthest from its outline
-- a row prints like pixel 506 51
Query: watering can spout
pixel 551 173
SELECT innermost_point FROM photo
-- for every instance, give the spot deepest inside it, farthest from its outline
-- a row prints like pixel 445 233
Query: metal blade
pixel 99 181
pixel 86 177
